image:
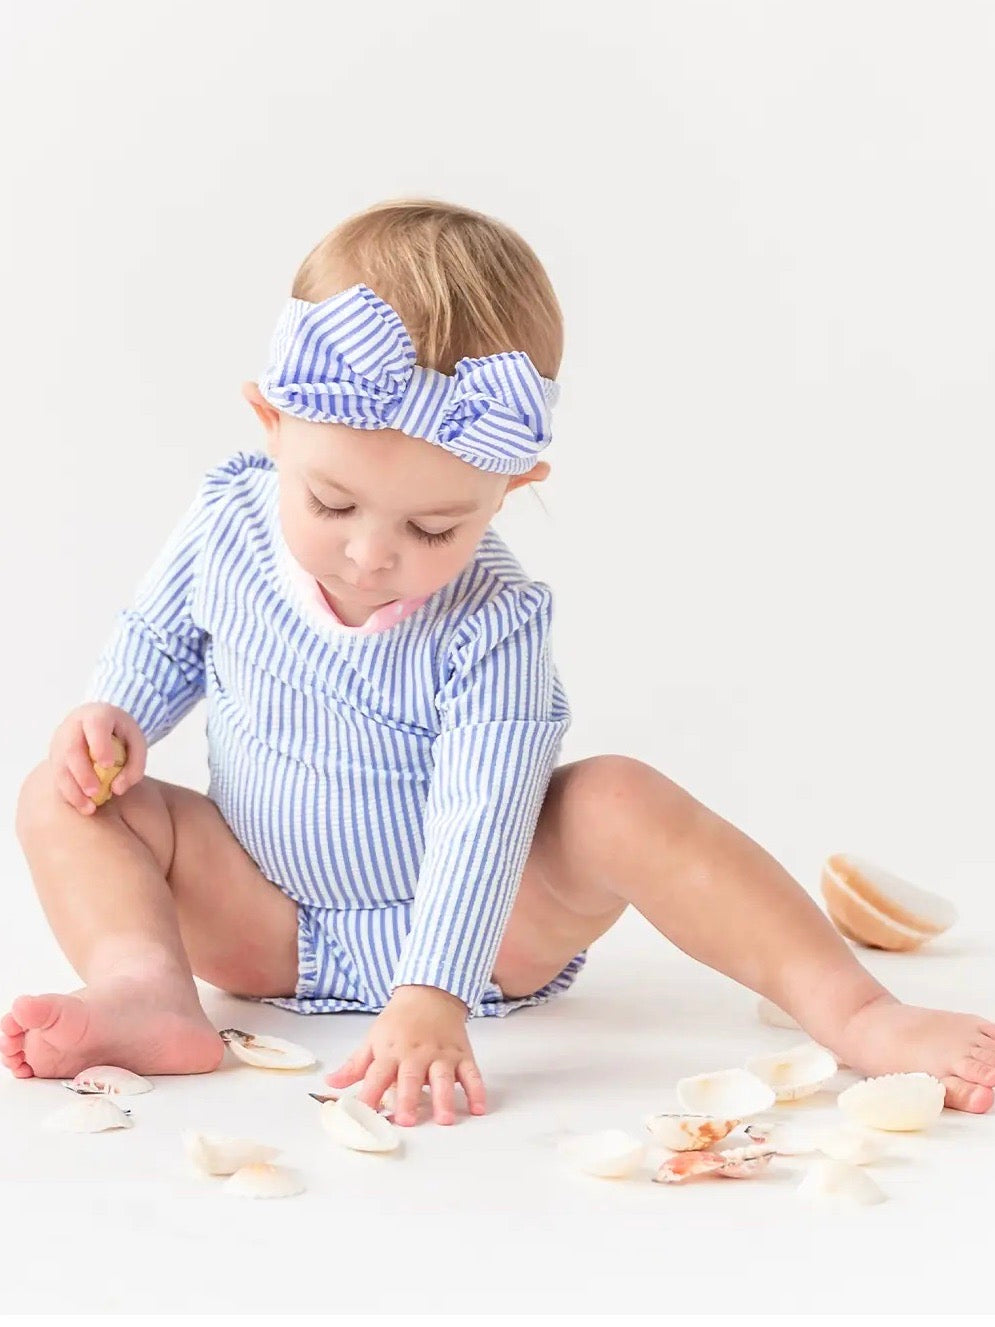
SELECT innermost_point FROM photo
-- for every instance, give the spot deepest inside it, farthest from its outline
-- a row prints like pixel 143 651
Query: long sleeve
pixel 153 664
pixel 503 718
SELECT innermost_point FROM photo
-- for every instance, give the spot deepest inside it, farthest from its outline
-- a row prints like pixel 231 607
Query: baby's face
pixel 364 512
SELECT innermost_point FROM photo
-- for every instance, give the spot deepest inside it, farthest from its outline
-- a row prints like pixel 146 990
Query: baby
pixel 387 829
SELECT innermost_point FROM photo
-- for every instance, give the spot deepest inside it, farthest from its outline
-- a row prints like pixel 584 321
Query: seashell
pixel 110 1081
pixel 729 1093
pixel 223 1156
pixel 106 774
pixel 267 1052
pixel 610 1154
pixel 795 1073
pixel 689 1166
pixel 260 1179
pixel 743 1163
pixel 353 1124
pixel 89 1114
pixel 688 1133
pixel 387 1101
pixel 775 1017
pixel 897 1103
pixel 852 1146
pixel 837 1182
pixel 787 1140
pixel 875 908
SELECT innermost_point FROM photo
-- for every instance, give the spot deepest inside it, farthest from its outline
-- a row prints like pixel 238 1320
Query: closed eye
pixel 426 536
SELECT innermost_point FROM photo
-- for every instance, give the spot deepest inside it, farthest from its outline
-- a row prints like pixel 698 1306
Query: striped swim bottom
pixel 346 958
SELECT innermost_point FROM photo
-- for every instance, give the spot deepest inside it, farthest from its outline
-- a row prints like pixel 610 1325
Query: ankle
pixel 831 1008
pixel 141 963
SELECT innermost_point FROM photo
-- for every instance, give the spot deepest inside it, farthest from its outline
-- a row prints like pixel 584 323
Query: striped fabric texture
pixel 349 360
pixel 389 782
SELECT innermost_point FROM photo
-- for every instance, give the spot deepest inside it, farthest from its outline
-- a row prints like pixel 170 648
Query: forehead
pixel 384 467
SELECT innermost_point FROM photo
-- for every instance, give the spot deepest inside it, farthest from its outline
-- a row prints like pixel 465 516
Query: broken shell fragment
pixel 839 1183
pixel 108 1080
pixel 689 1133
pixel 688 1166
pixel 89 1114
pixel 774 1017
pixel 897 1103
pixel 353 1124
pixel 729 1093
pixel 875 908
pixel 267 1052
pixel 260 1179
pixel 787 1140
pixel 853 1146
pixel 795 1073
pixel 611 1154
pixel 223 1156
pixel 106 774
pixel 742 1163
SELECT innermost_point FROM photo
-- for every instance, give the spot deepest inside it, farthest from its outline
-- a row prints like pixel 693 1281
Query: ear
pixel 534 476
pixel 267 415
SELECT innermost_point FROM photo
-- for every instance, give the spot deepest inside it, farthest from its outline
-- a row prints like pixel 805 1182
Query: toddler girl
pixel 386 828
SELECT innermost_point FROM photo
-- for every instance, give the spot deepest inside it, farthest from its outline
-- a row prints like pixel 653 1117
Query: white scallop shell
pixel 787 1140
pixel 796 1072
pixel 729 1093
pixel 852 1146
pixel 223 1156
pixel 610 1154
pixel 108 1080
pixel 774 1016
pixel 267 1052
pixel 898 1103
pixel 89 1114
pixel 260 1179
pixel 689 1133
pixel 353 1124
pixel 839 1183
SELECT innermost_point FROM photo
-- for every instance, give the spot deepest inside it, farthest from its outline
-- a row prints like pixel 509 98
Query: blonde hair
pixel 462 283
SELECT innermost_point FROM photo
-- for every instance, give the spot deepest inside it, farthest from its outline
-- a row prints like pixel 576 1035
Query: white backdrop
pixel 769 224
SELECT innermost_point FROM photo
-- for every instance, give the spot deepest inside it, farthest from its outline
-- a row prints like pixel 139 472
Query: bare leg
pixel 153 882
pixel 615 831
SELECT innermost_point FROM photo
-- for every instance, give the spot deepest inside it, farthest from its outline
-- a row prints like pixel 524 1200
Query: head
pixel 376 515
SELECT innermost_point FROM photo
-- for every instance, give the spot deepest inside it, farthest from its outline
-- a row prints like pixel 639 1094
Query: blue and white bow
pixel 349 360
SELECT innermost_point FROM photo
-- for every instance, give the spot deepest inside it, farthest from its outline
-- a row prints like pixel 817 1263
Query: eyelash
pixel 426 536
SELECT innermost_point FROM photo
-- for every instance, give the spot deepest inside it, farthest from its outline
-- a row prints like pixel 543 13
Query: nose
pixel 369 553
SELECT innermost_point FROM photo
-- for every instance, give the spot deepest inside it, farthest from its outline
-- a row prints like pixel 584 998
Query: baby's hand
pixel 419 1037
pixel 84 739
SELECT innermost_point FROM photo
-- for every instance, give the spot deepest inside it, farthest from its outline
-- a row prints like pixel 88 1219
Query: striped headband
pixel 349 360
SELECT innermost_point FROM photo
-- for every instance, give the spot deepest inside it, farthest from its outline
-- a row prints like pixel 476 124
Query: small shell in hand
pixel 267 1052
pixel 106 774
pixel 89 1114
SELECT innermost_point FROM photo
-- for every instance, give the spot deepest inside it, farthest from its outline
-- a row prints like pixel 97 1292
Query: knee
pixel 620 792
pixel 39 804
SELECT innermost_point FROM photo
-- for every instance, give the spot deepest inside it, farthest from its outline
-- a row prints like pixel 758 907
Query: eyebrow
pixel 441 509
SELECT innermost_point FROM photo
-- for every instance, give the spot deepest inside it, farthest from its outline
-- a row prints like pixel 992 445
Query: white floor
pixel 483 1216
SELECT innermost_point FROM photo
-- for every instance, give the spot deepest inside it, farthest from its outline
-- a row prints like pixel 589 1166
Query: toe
pixel 23 1071
pixel 10 1026
pixel 36 1012
pixel 10 1045
pixel 13 1060
pixel 967 1096
pixel 975 1070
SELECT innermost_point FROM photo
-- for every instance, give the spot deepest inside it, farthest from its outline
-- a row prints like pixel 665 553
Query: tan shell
pixel 106 774
pixel 261 1179
pixel 873 907
pixel 267 1052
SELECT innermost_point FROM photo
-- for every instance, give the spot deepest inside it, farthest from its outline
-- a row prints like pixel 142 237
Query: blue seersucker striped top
pixel 357 770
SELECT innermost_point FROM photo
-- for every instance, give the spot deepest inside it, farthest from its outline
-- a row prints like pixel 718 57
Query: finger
pixel 472 1083
pixel 442 1081
pixel 78 763
pixel 410 1080
pixel 98 732
pixel 379 1077
pixel 136 754
pixel 70 792
pixel 352 1070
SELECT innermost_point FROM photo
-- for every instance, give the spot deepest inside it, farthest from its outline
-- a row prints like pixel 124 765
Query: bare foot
pixel 886 1037
pixel 123 1021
